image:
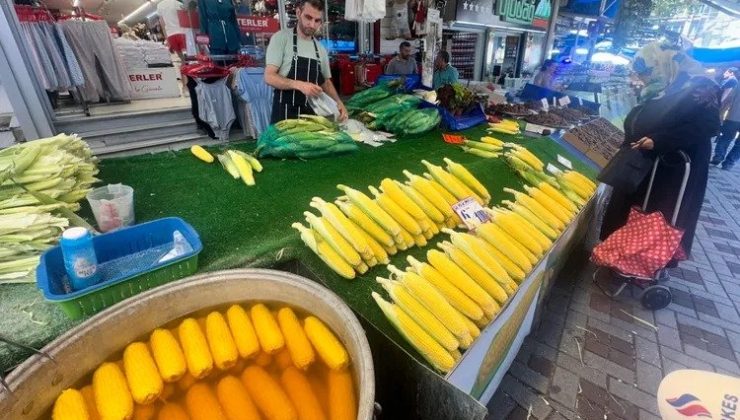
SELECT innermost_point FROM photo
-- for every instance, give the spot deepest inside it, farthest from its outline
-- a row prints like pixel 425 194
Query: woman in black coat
pixel 679 111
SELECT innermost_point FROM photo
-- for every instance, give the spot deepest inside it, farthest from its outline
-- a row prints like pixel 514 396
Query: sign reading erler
pixel 516 11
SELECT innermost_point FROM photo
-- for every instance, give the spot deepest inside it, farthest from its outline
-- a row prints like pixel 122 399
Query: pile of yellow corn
pixel 357 232
pixel 240 364
pixel 237 163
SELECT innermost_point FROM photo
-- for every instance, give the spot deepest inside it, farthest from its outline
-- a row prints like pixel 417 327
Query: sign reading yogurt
pixel 153 83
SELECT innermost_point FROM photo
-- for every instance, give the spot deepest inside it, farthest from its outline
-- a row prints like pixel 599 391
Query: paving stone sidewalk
pixel 593 358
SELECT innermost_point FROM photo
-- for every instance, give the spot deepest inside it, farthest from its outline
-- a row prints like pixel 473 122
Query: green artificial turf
pixel 244 226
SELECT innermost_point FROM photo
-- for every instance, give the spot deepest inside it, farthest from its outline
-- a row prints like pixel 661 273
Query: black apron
pixel 291 103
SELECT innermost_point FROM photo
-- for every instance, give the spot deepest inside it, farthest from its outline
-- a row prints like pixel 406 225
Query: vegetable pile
pixel 41 184
pixel 237 163
pixel 456 98
pixel 309 136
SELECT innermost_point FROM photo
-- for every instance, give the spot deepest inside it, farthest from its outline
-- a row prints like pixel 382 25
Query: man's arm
pixel 276 80
pixel 328 87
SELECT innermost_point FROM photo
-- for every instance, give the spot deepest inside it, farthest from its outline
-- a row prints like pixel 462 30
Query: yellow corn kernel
pixel 500 240
pixel 529 255
pixel 462 173
pixel 70 405
pixel 202 403
pixel 430 210
pixel 517 220
pixel 405 220
pixel 451 183
pixel 327 232
pixel 222 345
pixel 431 193
pixel 234 399
pixel 474 248
pixel 267 329
pixel 195 348
pixel 142 374
pixel 365 223
pixel 112 396
pixel 263 359
pixel 472 328
pixel 168 355
pixel 186 381
pixel 282 359
pixel 520 233
pixel 392 189
pixel 244 168
pixel 172 411
pixel 535 207
pixel 145 412
pixel 327 345
pixel 545 201
pixel 379 252
pixel 243 332
pixel 300 348
pixel 372 209
pixel 267 394
pixel 342 398
pixel 324 251
pixel 201 153
pixel 557 196
pixel 475 271
pixel 92 409
pixel 462 281
pixel 344 226
pixel 299 390
pixel 529 158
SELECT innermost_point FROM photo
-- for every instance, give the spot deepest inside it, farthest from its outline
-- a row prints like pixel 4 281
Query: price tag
pixel 553 169
pixel 453 138
pixel 565 162
pixel 564 101
pixel 471 212
pixel 545 104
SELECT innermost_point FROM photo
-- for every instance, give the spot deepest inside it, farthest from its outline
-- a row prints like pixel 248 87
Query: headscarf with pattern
pixel 664 68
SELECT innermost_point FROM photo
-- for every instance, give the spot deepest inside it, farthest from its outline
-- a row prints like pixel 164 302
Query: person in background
pixel 170 23
pixel 444 72
pixel 403 63
pixel 546 76
pixel 728 86
pixel 730 131
pixel 678 111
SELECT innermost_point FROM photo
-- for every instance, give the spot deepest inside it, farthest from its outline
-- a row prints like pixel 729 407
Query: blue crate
pixel 458 123
pixel 129 258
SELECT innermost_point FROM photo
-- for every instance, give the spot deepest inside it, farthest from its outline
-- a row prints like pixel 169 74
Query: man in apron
pixel 298 67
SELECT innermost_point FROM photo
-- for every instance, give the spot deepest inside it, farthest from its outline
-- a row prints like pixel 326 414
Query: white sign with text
pixel 153 83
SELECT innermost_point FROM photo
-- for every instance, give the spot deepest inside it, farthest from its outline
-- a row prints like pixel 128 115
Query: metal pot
pixel 37 382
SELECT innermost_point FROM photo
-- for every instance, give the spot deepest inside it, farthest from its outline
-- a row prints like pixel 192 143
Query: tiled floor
pixel 597 358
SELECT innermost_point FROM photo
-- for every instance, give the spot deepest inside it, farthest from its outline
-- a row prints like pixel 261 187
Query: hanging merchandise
pixel 400 20
pixel 216 108
pixel 253 91
pixel 218 21
pixel 364 10
pixel 420 26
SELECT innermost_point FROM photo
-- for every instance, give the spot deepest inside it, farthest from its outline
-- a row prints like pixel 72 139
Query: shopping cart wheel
pixel 656 297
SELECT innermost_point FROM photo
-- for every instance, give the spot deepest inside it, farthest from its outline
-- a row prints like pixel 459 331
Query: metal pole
pixel 282 17
pixel 550 35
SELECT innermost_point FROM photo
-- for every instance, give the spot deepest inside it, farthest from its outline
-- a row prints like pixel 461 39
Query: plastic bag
pixel 362 134
pixel 324 105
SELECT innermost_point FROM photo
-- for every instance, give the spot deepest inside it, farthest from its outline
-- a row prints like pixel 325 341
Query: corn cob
pixel 502 129
pixel 372 209
pixel 202 403
pixel 299 390
pixel 392 189
pixel 298 345
pixel 324 251
pixel 186 381
pixel 201 153
pixel 472 328
pixel 475 271
pixel 365 223
pixel 168 390
pixel 558 197
pixel 427 190
pixel 379 252
pixel 89 395
pixel 574 185
pixel 70 405
pixel 580 179
pixel 141 373
pixel 444 192
pixel 536 208
pixel 195 348
pixel 450 182
pixel 516 273
pixel 428 234
pixel 545 201
pixel 391 250
pixel 341 391
pixel 492 148
pixel 251 160
pixel 267 329
pixel 480 152
pixel 430 210
pixel 432 300
pixel 473 248
pixel 282 359
pixel 568 191
pixel 432 351
pixel 454 296
pixel 333 238
pixel 172 411
pixel 221 342
pixel 168 355
pixel 496 237
pixel 517 231
pixel 243 332
pixel 492 140
pixel 426 320
pixel 517 220
pixel 112 396
pixel 462 281
pixel 535 221
pixel 144 412
pixel 404 241
pixel 343 225
pixel 327 345
pixel 234 399
pixel 405 220
pixel 420 241
pixel 529 158
pixel 461 173
pixel 245 170
pixel 263 359
pixel 267 394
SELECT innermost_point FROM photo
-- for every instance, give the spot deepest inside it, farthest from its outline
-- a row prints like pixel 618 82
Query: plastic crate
pixel 458 123
pixel 145 241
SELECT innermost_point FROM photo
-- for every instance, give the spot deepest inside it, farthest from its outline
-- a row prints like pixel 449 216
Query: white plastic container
pixel 113 206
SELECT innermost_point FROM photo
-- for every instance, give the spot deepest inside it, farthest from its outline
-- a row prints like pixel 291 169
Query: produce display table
pixel 250 227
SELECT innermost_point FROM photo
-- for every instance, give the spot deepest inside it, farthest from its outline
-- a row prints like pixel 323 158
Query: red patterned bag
pixel 645 244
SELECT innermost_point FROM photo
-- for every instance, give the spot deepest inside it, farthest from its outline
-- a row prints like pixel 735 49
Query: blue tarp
pixel 716 55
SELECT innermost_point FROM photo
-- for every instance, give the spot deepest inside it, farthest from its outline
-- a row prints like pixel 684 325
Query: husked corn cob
pixel 462 173
pixel 535 221
pixel 428 234
pixel 569 191
pixel 448 197
pixel 243 332
pixel 195 348
pixel 487 147
pixel 398 214
pixel 342 400
pixel 244 168
pixel 141 373
pixel 282 359
pixel 558 197
pixel 529 158
pixel 420 241
pixel 220 341
pixel 460 279
pixel 475 271
pixel 454 296
pixel 251 160
pixel 473 248
pixel 365 223
pixel 300 392
pixel 343 225
pixel 430 210
pixel 372 209
pixel 144 412
pixel 334 238
pixel 89 395
pixel 432 351
pixel 513 219
pixel 168 390
pixel 493 140
pixel 472 328
pixel 201 153
pixel 498 238
pixel 298 345
pixel 516 273
pixel 263 359
pixel 202 403
pixel 517 231
pixel 172 411
pixel 234 399
pixel 324 251
pixel 404 240
pixel 378 251
pixel 70 405
pixel 391 250
pixel 545 201
pixel 527 253
pixel 327 345
pixel 112 396
pixel 427 189
pixel 267 329
pixel 576 185
pixel 583 178
pixel 168 355
pixel 532 205
pixel 186 381
pixel 450 182
pixel 267 394
pixel 392 189
pixel 419 313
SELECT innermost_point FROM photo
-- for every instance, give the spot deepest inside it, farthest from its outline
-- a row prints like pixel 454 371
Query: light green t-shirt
pixel 280 52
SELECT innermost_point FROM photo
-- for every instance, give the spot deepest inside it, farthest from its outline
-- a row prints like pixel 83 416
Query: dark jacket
pixel 218 21
pixel 686 120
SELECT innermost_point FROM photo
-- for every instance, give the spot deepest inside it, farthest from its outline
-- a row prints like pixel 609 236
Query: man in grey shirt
pixel 730 130
pixel 403 63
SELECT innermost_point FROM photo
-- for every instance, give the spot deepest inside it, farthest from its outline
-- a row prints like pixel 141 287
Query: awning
pixel 731 7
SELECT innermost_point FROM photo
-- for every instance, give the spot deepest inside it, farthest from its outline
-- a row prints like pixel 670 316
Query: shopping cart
pixel 653 295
